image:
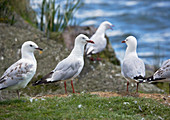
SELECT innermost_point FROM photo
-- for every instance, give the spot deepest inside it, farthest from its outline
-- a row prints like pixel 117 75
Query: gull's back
pixel 17 75
pixel 133 67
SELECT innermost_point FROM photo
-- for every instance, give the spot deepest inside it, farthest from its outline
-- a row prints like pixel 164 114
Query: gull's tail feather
pixel 3 88
pixel 88 51
pixel 148 80
pixel 151 79
pixel 43 80
pixel 2 80
pixel 139 79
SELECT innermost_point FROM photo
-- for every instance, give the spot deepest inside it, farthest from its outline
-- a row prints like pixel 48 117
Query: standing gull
pixel 133 67
pixel 161 75
pixel 19 74
pixel 70 67
pixel 99 39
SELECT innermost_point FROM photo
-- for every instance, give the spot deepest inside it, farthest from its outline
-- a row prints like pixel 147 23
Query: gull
pixel 99 39
pixel 132 68
pixel 19 74
pixel 161 75
pixel 70 67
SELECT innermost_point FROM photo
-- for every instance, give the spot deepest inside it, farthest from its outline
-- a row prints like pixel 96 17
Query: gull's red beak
pixel 123 41
pixel 111 27
pixel 90 41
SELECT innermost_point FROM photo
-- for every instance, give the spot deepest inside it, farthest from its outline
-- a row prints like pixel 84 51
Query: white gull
pixel 19 74
pixel 99 39
pixel 132 67
pixel 70 67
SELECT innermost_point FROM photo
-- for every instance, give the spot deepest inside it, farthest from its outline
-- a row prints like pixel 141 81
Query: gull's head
pixel 82 39
pixel 30 46
pixel 130 41
pixel 107 25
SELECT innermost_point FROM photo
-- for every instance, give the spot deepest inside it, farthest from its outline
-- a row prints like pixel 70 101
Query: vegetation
pixel 6 15
pixel 62 13
pixel 83 106
pixel 9 8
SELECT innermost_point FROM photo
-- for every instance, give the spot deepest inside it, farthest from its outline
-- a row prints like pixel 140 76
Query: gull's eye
pixel 83 37
pixel 30 45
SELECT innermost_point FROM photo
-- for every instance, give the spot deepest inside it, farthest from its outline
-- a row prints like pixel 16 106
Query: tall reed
pixel 158 56
pixel 56 15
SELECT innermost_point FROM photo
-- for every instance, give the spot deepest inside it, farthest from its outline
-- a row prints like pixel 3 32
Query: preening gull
pixel 99 39
pixel 19 74
pixel 70 67
pixel 132 67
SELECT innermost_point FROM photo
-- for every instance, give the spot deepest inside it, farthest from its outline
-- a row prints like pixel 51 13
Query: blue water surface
pixel 147 20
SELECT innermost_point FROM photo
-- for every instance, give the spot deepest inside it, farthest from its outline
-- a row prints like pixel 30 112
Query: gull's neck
pixel 28 55
pixel 78 50
pixel 101 30
pixel 131 51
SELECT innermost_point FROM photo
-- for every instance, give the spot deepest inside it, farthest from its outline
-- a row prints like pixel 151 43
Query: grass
pixel 83 106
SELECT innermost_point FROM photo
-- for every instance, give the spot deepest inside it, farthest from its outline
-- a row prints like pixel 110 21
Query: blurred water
pixel 147 20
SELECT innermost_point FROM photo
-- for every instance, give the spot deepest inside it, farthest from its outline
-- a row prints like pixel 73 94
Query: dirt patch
pixel 159 97
pixel 106 94
pixel 162 98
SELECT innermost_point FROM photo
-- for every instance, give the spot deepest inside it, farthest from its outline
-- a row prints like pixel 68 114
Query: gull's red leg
pixel 137 87
pixel 72 86
pixel 98 58
pixel 65 87
pixel 91 58
pixel 18 94
pixel 127 86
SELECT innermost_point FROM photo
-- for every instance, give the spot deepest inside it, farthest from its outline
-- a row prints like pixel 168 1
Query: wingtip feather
pixel 43 80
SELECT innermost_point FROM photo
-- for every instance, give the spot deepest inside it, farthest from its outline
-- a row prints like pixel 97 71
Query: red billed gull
pixel 161 75
pixel 70 67
pixel 132 67
pixel 99 39
pixel 19 74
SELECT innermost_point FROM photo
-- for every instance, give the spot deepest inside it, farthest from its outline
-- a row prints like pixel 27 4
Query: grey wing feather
pixel 65 70
pixel 133 67
pixel 63 65
pixel 163 71
pixel 14 74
